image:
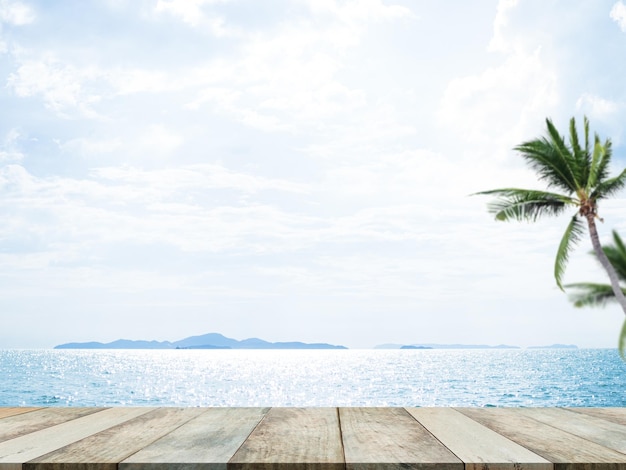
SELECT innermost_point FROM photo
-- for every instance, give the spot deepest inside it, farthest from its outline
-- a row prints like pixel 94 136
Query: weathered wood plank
pixel 564 449
pixel 390 438
pixel 15 452
pixel 103 451
pixel 293 438
pixel 5 412
pixel 615 415
pixel 205 442
pixel 596 430
pixel 26 423
pixel 477 446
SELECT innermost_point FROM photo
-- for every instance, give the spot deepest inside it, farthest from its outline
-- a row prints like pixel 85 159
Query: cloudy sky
pixel 294 169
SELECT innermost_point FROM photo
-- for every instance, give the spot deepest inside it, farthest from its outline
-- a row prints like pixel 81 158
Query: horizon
pixel 296 169
pixel 379 345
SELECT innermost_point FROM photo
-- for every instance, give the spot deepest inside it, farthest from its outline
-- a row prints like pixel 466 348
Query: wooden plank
pixel 477 446
pixel 565 450
pixel 103 451
pixel 15 452
pixel 26 423
pixel 596 430
pixel 615 415
pixel 205 442
pixel 390 438
pixel 293 438
pixel 5 412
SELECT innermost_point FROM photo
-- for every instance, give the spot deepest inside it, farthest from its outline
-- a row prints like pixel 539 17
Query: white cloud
pixel 61 85
pixel 494 107
pixel 14 13
pixel 159 140
pixel 359 11
pixel 499 41
pixel 17 13
pixel 91 147
pixel 9 149
pixel 618 14
pixel 596 107
pixel 198 176
pixel 192 13
pixel 189 10
pixel 323 147
pixel 128 81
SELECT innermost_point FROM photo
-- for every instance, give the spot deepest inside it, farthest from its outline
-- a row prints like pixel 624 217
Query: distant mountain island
pixel 219 341
pixel 443 346
pixel 207 341
pixel 468 346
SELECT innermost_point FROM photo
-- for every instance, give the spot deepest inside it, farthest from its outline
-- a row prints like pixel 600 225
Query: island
pixel 443 346
pixel 207 341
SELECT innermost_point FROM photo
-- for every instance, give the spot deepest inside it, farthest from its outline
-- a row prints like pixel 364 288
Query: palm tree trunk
pixel 604 261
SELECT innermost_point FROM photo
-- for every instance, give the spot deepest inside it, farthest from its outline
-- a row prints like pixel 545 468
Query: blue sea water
pixel 585 377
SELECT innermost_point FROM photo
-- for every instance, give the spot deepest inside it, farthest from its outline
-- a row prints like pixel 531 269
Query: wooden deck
pixel 313 438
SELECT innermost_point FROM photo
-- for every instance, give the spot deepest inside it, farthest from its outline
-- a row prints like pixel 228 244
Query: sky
pixel 295 170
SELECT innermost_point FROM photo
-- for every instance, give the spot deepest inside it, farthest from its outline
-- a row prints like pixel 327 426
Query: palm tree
pixel 581 173
pixel 590 294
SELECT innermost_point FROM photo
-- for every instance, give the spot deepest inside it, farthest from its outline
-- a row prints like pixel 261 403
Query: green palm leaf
pixel 572 235
pixel 525 204
pixel 609 187
pixel 546 159
pixel 599 164
pixel 581 156
pixel 620 250
pixel 588 294
pixel 617 256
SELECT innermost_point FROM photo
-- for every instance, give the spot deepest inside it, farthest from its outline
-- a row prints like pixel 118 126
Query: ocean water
pixel 586 377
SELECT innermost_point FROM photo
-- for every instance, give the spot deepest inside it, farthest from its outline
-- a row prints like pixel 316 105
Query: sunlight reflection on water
pixel 312 378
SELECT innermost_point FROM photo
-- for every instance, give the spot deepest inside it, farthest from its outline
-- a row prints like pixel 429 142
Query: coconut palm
pixel 590 294
pixel 580 171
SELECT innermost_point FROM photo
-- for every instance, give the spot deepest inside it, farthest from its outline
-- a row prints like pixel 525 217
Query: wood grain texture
pixel 26 423
pixel 103 451
pixel 30 446
pixel 615 415
pixel 206 442
pixel 293 438
pixel 313 438
pixel 4 412
pixel 564 449
pixel 477 446
pixel 390 438
pixel 600 431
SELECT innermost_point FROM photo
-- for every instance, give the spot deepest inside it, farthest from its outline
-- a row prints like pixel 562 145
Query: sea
pixel 312 378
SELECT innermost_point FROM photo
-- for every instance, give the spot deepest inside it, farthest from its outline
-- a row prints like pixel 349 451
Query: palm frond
pixel 573 138
pixel 595 166
pixel 609 187
pixel 586 128
pixel 581 155
pixel 525 204
pixel 547 160
pixel 599 169
pixel 591 295
pixel 569 156
pixel 619 245
pixel 572 235
pixel 616 254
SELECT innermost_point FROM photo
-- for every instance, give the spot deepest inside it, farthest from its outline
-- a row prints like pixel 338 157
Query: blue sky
pixel 294 169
